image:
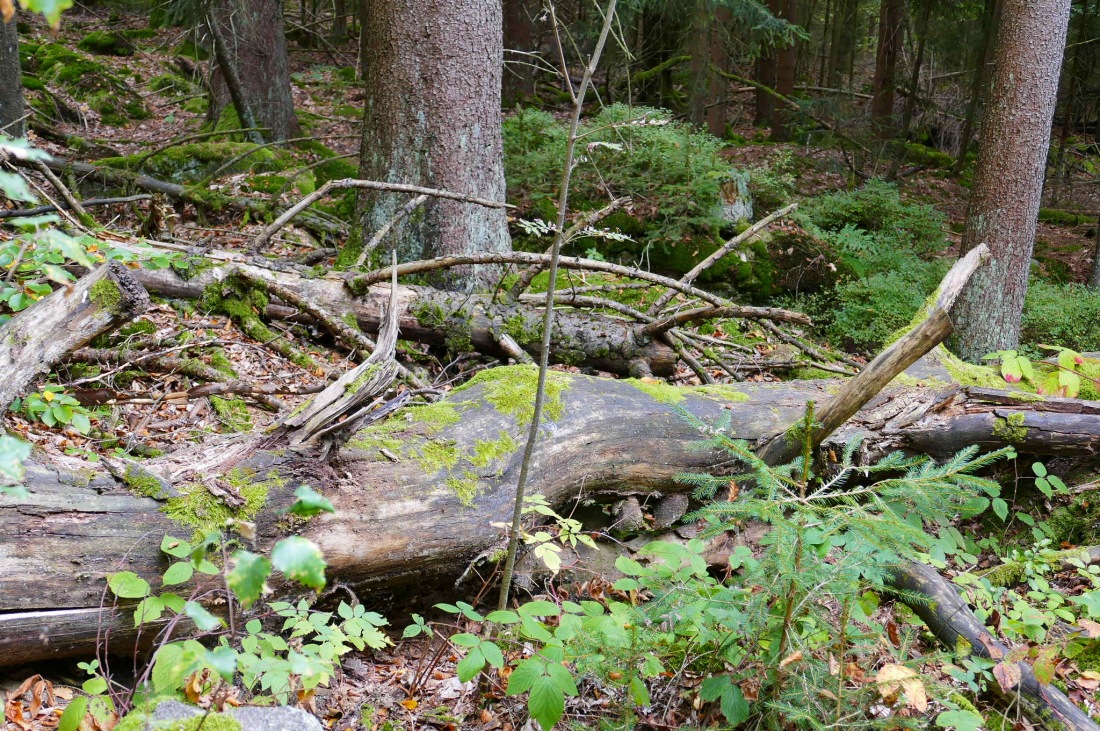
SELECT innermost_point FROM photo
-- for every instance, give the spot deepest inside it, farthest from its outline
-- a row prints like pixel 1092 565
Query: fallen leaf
pixel 1007 675
pixel 410 704
pixel 892 679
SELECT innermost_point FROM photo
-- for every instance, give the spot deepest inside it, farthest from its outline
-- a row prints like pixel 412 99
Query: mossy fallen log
pixel 417 495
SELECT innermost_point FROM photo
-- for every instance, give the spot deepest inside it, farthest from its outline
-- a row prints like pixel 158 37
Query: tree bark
pixel 255 50
pixel 11 82
pixel 845 21
pixel 983 65
pixel 33 341
pixel 786 63
pixel 438 318
pixel 766 76
pixel 890 33
pixel 404 522
pixel 432 118
pixel 1008 185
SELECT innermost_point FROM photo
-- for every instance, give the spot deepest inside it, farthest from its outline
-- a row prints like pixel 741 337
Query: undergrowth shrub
pixel 882 245
pixel 673 173
pixel 1062 314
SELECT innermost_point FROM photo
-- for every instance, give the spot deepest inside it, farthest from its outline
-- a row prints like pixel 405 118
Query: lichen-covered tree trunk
pixel 1008 185
pixel 255 43
pixel 432 117
pixel 11 81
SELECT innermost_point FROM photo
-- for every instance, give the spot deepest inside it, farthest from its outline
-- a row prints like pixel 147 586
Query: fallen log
pixel 33 341
pixel 462 322
pixel 416 496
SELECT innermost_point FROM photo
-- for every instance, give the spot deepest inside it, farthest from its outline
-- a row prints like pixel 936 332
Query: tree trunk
pixel 519 38
pixel 845 20
pixel 255 50
pixel 707 44
pixel 786 62
pixel 339 21
pixel 407 517
pixel 914 77
pixel 1008 185
pixel 890 32
pixel 766 75
pixel 11 82
pixel 432 118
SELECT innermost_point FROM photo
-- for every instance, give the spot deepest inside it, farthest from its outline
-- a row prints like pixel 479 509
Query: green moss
pixel 350 321
pixel 106 295
pixel 193 162
pixel 106 43
pixel 232 413
pixel 201 511
pixel 719 392
pixel 31 83
pixel 658 390
pixel 372 439
pixel 221 363
pixel 143 483
pixel 511 390
pixel 239 300
pixel 968 374
pixel 809 373
pixel 487 451
pixel 465 487
pixel 438 415
pixel 362 380
pixel 137 327
pixel 1010 428
pixel 524 329
pixel 90 82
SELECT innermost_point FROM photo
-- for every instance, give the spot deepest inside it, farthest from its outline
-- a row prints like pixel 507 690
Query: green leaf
pixel 178 573
pixel 492 654
pixel 13 452
pixel 247 578
pixel 961 720
pixel 203 619
pixel 1090 600
pixel 224 661
pixel 173 601
pixel 300 560
pixel 148 609
pixel 50 8
pixel 74 714
pixel 82 423
pixel 1044 487
pixel 539 608
pixel 732 701
pixel 1000 507
pixel 638 692
pixel 471 665
pixel 128 585
pixel 465 639
pixel 546 702
pixel 176 547
pixel 309 503
pixel 94 686
pixel 1039 469
pixel 502 616
pixel 629 566
pixel 524 676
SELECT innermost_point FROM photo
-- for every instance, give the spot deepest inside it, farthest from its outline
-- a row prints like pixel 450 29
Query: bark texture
pixel 432 118
pixel 255 45
pixel 519 40
pixel 786 61
pixel 11 82
pixel 1008 184
pixel 409 517
pixel 890 34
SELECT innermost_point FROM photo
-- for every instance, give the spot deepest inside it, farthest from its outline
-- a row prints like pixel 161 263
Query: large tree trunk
pixel 432 118
pixel 786 63
pixel 890 32
pixel 252 43
pixel 11 82
pixel 845 22
pixel 766 75
pixel 416 498
pixel 1008 186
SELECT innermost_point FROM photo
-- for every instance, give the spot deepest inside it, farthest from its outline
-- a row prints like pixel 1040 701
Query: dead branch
pixel 87 203
pixel 395 219
pixel 712 313
pixel 265 236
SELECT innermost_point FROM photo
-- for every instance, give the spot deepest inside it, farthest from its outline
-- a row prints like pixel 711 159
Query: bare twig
pixel 361 282
pixel 395 219
pixel 722 251
pixel 709 313
pixel 584 222
pixel 88 203
pixel 66 194
pixel 265 235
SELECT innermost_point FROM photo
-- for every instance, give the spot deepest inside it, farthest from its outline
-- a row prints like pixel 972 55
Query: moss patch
pixel 144 483
pixel 232 413
pixel 201 511
pixel 196 161
pixel 487 451
pixel 1010 428
pixel 90 82
pixel 106 295
pixel 511 390
pixel 658 390
pixel 719 392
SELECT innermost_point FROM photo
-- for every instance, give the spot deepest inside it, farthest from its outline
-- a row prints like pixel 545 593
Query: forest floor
pixel 413 684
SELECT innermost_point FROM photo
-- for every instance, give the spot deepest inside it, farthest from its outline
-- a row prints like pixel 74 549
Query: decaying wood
pixel 430 316
pixel 951 620
pixel 402 522
pixel 909 348
pixel 33 341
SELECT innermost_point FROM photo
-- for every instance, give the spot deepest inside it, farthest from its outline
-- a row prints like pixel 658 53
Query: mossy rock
pixel 194 162
pixel 106 43
pixel 172 85
pixel 919 154
pixel 90 82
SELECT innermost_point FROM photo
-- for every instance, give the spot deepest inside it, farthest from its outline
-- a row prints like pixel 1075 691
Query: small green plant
pixel 1063 377
pixel 53 407
pixel 288 648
